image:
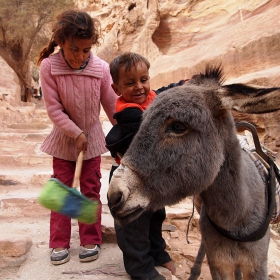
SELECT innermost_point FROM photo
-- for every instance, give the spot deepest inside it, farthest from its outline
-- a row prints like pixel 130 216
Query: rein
pixel 261 231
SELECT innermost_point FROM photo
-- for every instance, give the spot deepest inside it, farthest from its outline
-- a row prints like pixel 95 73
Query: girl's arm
pixel 107 95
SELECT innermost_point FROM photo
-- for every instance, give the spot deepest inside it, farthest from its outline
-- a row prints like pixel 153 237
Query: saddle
pixel 264 161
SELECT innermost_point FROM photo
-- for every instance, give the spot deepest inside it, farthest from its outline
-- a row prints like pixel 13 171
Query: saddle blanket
pixel 261 166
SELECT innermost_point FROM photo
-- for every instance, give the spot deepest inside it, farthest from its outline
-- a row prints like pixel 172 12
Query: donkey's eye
pixel 176 127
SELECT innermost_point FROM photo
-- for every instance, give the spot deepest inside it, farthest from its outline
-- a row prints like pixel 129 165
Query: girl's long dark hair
pixel 76 24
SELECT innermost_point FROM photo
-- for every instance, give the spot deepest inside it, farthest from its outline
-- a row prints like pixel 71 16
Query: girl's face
pixel 76 51
pixel 133 85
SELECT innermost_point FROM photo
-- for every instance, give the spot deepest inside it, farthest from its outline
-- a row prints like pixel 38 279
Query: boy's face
pixel 133 85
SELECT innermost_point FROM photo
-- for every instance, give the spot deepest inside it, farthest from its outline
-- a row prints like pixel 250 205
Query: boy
pixel 141 241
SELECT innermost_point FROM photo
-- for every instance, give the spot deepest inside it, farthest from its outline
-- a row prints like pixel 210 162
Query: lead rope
pixel 189 222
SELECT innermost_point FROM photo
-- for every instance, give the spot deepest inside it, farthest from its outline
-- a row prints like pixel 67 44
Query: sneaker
pixel 88 255
pixel 60 257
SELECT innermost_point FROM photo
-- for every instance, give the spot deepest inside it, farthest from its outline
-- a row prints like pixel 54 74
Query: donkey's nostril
pixel 115 200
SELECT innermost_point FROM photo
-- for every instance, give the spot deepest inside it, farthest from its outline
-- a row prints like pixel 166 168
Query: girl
pixel 74 84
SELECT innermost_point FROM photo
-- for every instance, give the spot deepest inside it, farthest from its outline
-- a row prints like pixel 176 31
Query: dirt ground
pixel 35 224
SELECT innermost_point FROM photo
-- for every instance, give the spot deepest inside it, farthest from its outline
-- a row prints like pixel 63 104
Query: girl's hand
pixel 81 143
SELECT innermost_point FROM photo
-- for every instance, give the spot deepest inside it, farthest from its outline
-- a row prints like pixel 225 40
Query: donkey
pixel 187 145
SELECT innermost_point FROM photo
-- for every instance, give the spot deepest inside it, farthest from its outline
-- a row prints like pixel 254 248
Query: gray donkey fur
pixel 187 145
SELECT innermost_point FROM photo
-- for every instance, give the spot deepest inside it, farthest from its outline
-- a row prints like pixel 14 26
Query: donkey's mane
pixel 211 72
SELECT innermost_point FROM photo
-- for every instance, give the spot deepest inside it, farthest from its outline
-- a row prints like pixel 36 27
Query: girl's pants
pixel 60 225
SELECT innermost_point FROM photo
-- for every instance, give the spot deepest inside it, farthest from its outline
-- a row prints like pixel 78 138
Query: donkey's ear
pixel 250 99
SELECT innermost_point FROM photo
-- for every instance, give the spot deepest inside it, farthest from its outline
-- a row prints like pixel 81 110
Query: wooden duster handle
pixel 78 169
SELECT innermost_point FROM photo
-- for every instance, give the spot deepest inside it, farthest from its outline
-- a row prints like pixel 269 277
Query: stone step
pixel 36 125
pixel 41 113
pixel 20 147
pixel 37 159
pixel 23 136
pixel 28 183
pixel 16 161
pixel 26 205
pixel 25 177
pixel 34 170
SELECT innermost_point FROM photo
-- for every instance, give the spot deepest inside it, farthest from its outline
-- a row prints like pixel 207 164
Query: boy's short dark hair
pixel 127 59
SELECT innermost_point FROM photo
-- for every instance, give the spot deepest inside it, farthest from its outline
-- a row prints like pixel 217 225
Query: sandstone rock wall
pixel 180 37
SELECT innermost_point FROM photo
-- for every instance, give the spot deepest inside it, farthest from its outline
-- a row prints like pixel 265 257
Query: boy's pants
pixel 60 225
pixel 142 243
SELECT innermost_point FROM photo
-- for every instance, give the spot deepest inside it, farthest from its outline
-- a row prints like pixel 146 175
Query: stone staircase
pixel 24 169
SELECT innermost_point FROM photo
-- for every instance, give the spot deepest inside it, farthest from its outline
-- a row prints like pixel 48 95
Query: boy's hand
pixel 81 143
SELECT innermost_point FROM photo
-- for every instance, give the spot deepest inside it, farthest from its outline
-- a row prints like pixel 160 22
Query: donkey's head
pixel 182 143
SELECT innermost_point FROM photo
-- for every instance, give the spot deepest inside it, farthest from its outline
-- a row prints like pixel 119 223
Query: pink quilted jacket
pixel 73 100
